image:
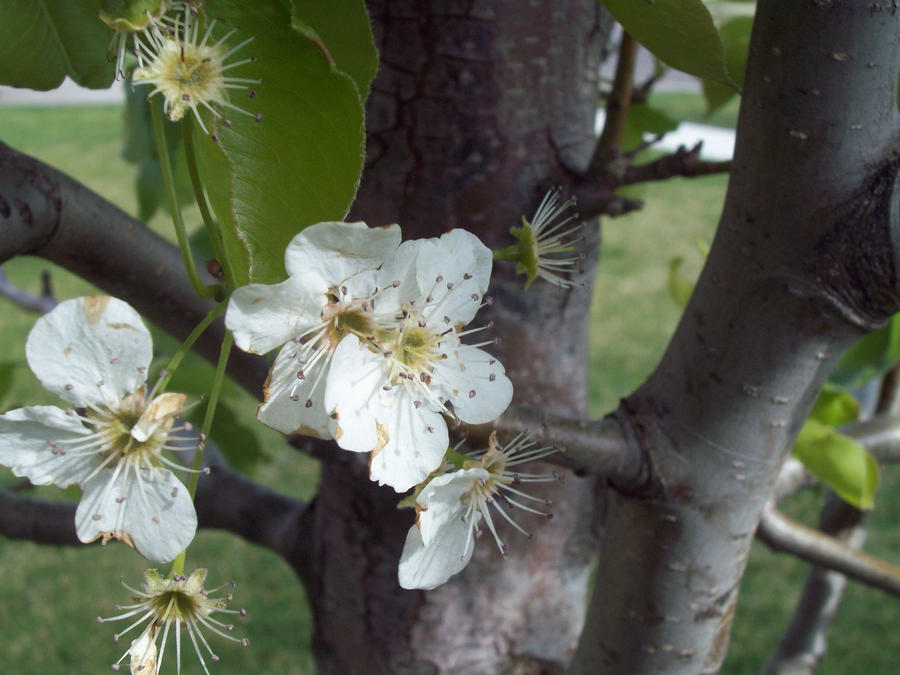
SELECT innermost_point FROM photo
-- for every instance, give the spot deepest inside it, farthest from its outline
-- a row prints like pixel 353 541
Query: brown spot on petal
pixel 383 438
pixel 338 432
pixel 94 306
pixel 104 538
pixel 308 431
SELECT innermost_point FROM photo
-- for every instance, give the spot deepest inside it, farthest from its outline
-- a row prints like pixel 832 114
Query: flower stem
pixel 510 253
pixel 185 347
pixel 214 392
pixel 187 258
pixel 218 378
pixel 212 230
pixel 457 459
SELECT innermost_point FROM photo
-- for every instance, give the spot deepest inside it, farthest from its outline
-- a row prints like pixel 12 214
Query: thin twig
pixel 617 105
pixel 39 304
pixel 780 533
pixel 805 642
pixel 879 435
pixel 683 162
pixel 596 194
pixel 792 478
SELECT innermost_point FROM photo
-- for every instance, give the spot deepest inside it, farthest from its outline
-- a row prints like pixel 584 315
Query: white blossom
pixel 451 507
pixel 388 395
pixel 546 246
pixel 188 70
pixel 176 602
pixel 94 353
pixel 326 297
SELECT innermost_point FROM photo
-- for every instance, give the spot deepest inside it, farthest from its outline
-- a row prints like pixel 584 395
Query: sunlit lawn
pixel 49 597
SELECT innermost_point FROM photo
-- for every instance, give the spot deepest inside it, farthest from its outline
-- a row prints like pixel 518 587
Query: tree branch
pixel 879 435
pixel 617 105
pixel 595 190
pixel 225 500
pixel 37 520
pixel 45 213
pixel 803 645
pixel 228 500
pixel 792 478
pixel 682 162
pixel 588 447
pixel 780 533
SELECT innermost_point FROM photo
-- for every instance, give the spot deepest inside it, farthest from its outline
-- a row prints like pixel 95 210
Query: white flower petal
pixel 441 500
pixel 91 351
pixel 143 655
pixel 463 264
pixel 324 255
pixel 263 316
pixel 153 513
pixel 397 277
pixel 466 380
pixel 289 416
pixel 159 414
pixel 414 440
pixel 427 567
pixel 25 436
pixel 356 377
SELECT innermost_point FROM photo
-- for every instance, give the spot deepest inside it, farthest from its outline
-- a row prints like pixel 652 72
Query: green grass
pixel 49 597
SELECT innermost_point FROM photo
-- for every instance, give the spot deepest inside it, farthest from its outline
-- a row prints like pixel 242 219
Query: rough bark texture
pixel 803 263
pixel 477 109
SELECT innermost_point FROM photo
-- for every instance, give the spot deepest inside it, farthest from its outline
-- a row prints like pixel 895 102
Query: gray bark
pixel 803 263
pixel 477 110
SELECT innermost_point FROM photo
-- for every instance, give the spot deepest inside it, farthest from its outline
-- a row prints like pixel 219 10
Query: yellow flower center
pixel 346 321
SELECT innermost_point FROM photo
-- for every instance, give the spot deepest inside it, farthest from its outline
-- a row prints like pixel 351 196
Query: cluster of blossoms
pixel 371 356
pixel 94 352
pixel 179 61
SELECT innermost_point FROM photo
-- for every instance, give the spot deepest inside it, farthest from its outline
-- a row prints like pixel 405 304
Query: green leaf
pixel 835 406
pixel 680 288
pixel 301 164
pixel 735 34
pixel 342 30
pixel 870 357
pixel 679 32
pixel 645 119
pixel 840 462
pixel 45 40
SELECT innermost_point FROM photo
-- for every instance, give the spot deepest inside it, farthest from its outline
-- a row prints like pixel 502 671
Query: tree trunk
pixel 803 263
pixel 478 109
